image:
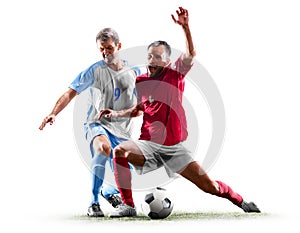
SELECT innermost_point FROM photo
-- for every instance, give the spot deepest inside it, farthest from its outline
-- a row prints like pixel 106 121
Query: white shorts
pixel 173 158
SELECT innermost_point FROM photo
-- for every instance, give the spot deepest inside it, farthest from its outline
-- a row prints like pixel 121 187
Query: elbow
pixel 193 53
pixel 136 113
pixel 187 59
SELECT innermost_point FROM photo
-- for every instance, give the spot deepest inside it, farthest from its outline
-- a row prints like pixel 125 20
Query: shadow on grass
pixel 180 216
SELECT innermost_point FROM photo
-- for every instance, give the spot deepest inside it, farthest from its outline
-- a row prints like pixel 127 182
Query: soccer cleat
pixel 249 207
pixel 114 200
pixel 95 211
pixel 123 210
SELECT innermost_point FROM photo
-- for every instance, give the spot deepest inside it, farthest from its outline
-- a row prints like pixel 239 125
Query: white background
pixel 250 48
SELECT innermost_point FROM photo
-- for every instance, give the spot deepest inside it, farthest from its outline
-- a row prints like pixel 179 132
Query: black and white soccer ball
pixel 157 204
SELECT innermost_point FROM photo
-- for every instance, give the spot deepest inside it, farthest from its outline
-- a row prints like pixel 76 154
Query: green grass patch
pixel 179 216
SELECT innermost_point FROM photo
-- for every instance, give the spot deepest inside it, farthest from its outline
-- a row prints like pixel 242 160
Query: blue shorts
pixel 96 129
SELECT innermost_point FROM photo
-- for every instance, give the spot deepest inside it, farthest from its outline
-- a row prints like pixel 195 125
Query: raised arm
pixel 183 21
pixel 61 103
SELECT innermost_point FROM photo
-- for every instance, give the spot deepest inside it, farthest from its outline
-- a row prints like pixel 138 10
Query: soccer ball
pixel 157 205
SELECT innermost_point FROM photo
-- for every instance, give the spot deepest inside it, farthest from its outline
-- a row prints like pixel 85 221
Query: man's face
pixel 109 50
pixel 157 59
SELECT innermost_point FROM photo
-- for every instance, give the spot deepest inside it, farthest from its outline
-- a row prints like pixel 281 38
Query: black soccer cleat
pixel 95 211
pixel 249 207
pixel 114 200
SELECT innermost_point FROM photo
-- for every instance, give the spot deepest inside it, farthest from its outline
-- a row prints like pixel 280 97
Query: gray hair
pixel 106 34
pixel 161 42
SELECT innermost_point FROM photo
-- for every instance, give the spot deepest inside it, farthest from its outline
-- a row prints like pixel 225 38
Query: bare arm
pixel 183 20
pixel 135 111
pixel 61 103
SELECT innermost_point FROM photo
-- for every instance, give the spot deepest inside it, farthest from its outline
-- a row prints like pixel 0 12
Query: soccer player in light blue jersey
pixel 111 84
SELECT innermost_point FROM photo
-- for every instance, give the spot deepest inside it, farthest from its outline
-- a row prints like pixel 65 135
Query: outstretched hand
pixel 48 119
pixel 183 17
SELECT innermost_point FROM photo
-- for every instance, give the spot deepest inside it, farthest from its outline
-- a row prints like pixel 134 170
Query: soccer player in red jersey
pixel 164 127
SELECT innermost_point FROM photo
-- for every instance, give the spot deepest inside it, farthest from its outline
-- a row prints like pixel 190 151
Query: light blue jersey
pixel 108 89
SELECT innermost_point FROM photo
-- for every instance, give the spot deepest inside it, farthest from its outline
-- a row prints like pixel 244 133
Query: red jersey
pixel 164 120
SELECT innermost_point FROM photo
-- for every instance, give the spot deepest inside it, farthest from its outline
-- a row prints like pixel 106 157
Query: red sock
pixel 123 179
pixel 226 192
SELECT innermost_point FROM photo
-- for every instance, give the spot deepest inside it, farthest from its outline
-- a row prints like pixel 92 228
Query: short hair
pixel 106 34
pixel 161 42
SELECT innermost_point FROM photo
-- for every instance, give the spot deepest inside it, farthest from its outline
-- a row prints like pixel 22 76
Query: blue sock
pixel 98 171
pixel 108 190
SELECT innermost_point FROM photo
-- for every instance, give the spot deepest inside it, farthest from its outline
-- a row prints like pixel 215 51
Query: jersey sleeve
pixel 180 67
pixel 85 79
pixel 137 70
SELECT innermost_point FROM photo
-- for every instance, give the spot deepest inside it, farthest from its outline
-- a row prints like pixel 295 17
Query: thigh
pixel 150 155
pixel 132 152
pixel 175 158
pixel 130 146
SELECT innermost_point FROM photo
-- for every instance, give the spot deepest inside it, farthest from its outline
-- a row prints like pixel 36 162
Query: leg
pixel 101 148
pixel 197 175
pixel 131 151
pixel 109 192
pixel 194 173
pixel 101 145
pixel 124 153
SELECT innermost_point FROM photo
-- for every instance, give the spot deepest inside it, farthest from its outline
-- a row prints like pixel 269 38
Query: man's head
pixel 159 53
pixel 108 43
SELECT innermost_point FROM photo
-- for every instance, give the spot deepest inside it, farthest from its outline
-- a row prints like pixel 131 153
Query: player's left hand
pixel 183 17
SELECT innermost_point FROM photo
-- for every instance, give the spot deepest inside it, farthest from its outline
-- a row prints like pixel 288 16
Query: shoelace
pixel 113 200
pixel 122 207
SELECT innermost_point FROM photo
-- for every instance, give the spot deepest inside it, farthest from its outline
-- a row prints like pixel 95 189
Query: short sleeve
pixel 180 67
pixel 137 70
pixel 85 79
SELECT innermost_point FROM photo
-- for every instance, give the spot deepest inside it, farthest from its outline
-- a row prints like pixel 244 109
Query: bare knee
pixel 103 149
pixel 101 146
pixel 135 159
pixel 119 151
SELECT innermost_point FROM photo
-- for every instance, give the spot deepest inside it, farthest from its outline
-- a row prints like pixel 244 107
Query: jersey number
pixel 117 93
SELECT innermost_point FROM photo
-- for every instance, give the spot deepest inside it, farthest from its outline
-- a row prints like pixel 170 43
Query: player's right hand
pixel 108 113
pixel 48 119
